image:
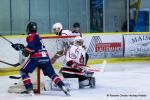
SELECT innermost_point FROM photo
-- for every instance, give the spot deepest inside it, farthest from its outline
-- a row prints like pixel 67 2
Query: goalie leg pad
pixel 92 82
pixel 88 82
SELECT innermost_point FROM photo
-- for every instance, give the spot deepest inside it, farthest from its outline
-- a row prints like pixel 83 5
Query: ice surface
pixel 119 81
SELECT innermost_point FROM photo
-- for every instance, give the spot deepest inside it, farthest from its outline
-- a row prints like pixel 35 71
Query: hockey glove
pixel 70 63
pixel 73 65
pixel 18 47
pixel 25 53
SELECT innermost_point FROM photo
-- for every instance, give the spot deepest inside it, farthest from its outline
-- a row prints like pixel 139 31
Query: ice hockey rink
pixel 119 81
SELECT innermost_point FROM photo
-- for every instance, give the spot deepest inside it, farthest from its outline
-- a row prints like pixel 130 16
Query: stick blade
pixel 103 65
pixel 17 64
pixel 14 77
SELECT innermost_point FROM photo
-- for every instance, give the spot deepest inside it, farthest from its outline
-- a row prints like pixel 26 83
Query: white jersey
pixel 66 33
pixel 76 54
pixel 69 33
pixel 76 33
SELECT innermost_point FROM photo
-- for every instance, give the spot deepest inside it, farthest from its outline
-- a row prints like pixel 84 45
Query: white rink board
pixel 137 45
pixel 7 53
pixel 52 45
pixel 91 43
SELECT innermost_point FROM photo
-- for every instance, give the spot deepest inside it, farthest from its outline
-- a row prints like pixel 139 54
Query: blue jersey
pixel 35 47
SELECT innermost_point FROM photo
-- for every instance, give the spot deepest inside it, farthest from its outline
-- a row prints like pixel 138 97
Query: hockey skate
pixel 65 90
pixel 29 92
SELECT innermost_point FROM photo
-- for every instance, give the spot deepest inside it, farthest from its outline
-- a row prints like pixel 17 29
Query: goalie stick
pixel 14 65
pixel 98 69
pixel 103 65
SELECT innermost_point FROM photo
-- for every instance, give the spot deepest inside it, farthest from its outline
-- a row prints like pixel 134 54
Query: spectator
pixel 76 29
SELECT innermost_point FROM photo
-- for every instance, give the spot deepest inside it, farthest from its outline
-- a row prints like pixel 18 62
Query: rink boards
pixel 99 46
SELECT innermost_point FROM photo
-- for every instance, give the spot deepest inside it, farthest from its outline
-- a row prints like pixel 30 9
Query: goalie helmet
pixel 31 27
pixel 57 26
pixel 78 40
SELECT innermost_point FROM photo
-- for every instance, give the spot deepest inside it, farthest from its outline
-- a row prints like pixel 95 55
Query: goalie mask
pixel 57 27
pixel 31 27
pixel 78 41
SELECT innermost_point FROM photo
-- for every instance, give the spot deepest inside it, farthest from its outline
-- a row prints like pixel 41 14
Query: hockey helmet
pixel 76 25
pixel 78 39
pixel 57 26
pixel 31 27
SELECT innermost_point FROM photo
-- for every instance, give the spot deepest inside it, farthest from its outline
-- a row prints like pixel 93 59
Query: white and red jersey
pixel 76 54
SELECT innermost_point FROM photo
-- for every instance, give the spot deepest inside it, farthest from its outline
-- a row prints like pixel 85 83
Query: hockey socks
pixel 56 79
pixel 26 81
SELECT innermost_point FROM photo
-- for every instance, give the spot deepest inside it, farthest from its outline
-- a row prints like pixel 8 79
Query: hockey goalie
pixel 75 65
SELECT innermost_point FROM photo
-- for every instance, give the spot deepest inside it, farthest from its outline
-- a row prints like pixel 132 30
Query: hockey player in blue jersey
pixel 38 57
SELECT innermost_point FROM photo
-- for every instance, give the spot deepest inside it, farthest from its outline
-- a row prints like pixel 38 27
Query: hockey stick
pixel 104 62
pixel 6 39
pixel 14 65
pixel 15 77
pixel 101 68
pixel 103 65
pixel 97 69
